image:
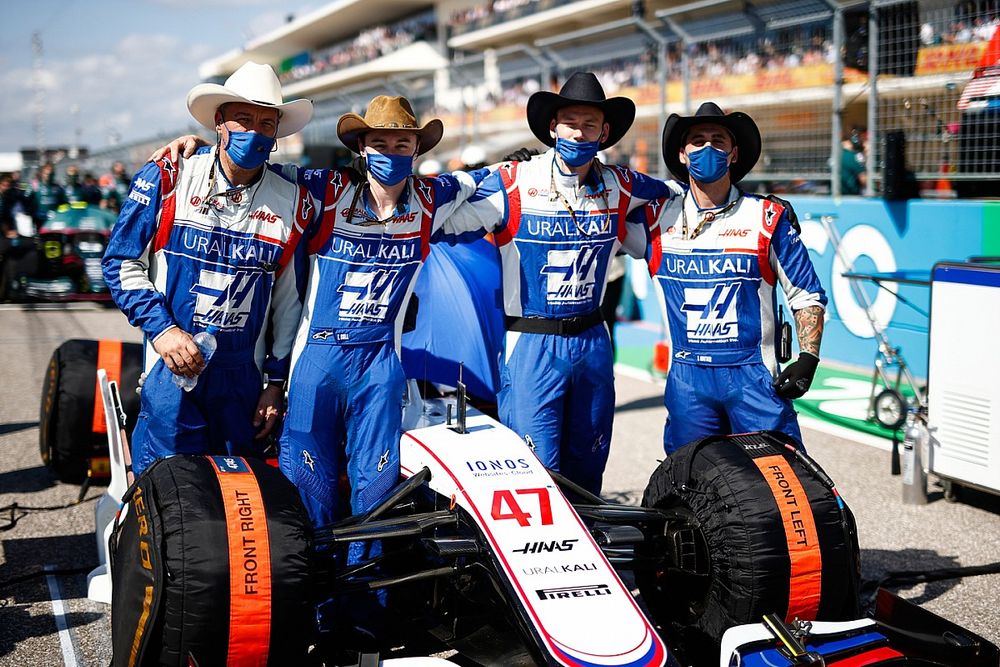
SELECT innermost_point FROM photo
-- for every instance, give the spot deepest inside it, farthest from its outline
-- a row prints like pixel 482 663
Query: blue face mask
pixel 708 164
pixel 576 153
pixel 389 169
pixel 248 150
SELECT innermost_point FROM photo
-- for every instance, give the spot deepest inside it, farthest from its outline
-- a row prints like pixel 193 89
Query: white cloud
pixel 133 91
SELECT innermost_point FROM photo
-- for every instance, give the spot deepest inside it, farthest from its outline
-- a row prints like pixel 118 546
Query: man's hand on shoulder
pixel 180 147
pixel 522 154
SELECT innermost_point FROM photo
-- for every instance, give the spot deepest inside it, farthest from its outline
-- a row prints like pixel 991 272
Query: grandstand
pixel 800 67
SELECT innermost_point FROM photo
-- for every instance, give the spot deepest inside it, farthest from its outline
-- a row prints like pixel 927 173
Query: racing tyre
pixel 73 437
pixel 889 409
pixel 755 527
pixel 210 565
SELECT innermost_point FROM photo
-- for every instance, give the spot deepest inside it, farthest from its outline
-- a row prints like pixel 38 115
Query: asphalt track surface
pixel 46 618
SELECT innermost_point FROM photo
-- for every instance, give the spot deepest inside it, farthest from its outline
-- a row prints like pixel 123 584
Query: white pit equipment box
pixel 963 374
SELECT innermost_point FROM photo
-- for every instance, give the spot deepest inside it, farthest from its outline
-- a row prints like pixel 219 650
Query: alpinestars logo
pixel 306 210
pixel 425 191
pixel 711 312
pixel 224 300
pixel 654 207
pixel 572 274
pixel 366 294
pixel 170 171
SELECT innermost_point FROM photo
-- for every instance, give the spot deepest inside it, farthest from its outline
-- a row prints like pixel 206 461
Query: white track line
pixel 59 612
pixel 58 305
pixel 807 422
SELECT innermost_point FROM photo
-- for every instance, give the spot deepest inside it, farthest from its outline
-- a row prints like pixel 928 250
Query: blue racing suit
pixel 346 388
pixel 180 258
pixel 718 271
pixel 557 238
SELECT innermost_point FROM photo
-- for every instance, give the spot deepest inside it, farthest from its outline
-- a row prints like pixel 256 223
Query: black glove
pixel 520 155
pixel 794 381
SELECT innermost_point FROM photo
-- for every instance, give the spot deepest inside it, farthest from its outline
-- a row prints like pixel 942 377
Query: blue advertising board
pixel 878 237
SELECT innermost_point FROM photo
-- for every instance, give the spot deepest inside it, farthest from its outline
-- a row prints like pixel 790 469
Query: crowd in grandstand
pixel 706 60
pixel 370 44
pixel 978 29
pixel 486 14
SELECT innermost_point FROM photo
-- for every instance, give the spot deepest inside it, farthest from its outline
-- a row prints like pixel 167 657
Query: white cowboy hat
pixel 254 84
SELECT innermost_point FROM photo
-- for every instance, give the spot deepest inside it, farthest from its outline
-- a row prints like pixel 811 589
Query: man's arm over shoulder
pixel 484 210
pixel 127 258
pixel 643 188
pixel 647 223
pixel 325 185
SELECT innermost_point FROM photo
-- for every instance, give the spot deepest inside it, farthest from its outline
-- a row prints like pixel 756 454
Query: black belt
pixel 567 326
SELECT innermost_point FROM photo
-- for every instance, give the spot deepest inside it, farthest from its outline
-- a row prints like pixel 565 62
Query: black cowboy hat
pixel 581 88
pixel 741 126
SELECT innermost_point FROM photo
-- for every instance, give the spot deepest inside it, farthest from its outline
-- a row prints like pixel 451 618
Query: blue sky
pixel 127 66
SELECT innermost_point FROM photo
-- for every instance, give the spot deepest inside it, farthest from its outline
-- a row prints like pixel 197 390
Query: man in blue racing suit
pixel 718 254
pixel 346 388
pixel 558 220
pixel 213 241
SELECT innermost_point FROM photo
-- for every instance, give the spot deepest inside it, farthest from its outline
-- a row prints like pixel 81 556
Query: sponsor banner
pixel 779 80
pixel 945 58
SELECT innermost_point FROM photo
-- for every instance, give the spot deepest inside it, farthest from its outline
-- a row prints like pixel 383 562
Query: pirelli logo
pixel 567 592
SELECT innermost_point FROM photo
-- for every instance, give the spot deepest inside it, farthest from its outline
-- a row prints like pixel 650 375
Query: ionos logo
pixel 571 274
pixel 546 547
pixel 224 299
pixel 499 467
pixel 565 592
pixel 366 294
pixel 711 312
pixel 559 569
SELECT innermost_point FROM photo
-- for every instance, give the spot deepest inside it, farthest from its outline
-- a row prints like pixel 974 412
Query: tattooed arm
pixel 809 328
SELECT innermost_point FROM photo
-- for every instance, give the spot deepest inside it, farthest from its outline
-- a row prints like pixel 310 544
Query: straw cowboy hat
pixel 388 113
pixel 581 88
pixel 252 84
pixel 744 130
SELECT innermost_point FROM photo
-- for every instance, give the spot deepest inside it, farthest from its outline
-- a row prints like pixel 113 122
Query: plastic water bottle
pixel 205 341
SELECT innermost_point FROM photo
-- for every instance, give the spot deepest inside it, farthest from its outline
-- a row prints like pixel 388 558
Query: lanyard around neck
pixel 553 190
pixel 367 219
pixel 706 217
